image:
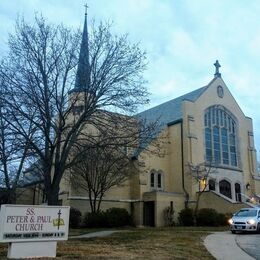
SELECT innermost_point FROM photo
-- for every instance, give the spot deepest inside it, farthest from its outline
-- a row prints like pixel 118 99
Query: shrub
pixel 208 217
pixel 229 215
pixel 75 218
pixel 97 219
pixel 113 217
pixel 168 214
pixel 223 219
pixel 118 217
pixel 186 217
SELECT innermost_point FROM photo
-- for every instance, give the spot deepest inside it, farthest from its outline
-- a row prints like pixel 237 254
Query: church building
pixel 203 129
pixel 206 135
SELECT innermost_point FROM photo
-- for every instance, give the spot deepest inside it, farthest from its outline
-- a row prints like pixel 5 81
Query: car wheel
pixel 258 227
pixel 233 231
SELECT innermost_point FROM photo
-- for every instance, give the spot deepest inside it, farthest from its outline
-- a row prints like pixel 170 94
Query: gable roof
pixel 169 111
pixel 165 114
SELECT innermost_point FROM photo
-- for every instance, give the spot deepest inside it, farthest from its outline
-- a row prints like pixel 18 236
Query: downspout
pixel 182 159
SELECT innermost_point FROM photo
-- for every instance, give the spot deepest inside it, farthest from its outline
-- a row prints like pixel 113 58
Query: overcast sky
pixel 183 38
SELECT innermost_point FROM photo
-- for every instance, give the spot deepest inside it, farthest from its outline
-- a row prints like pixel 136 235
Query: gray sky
pixel 183 38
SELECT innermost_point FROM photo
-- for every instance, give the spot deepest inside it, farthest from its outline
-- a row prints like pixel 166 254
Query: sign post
pixel 33 231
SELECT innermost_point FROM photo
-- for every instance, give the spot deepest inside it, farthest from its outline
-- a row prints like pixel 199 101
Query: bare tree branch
pixel 201 173
pixel 38 76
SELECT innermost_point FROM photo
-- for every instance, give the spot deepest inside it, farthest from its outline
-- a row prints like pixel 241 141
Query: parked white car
pixel 246 219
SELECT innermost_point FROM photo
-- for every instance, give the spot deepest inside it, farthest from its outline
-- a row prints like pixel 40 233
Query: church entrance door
pixel 149 213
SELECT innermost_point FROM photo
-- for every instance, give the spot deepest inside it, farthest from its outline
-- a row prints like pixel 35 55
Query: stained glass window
pixel 220 136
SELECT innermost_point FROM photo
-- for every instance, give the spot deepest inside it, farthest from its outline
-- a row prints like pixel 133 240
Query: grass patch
pixel 141 243
pixel 3 251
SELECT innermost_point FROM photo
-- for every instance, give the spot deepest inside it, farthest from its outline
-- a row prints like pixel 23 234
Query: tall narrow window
pixel 152 180
pixel 225 153
pixel 208 144
pixel 216 145
pixel 211 184
pixel 205 119
pixel 221 118
pixel 220 136
pixel 159 180
pixel 232 148
pixel 156 180
pixel 238 192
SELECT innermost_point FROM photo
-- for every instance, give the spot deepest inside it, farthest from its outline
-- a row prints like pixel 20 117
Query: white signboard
pixel 20 223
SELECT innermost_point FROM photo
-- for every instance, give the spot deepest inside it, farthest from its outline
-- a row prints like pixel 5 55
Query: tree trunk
pixel 196 209
pixel 53 197
pixel 99 202
pixel 95 204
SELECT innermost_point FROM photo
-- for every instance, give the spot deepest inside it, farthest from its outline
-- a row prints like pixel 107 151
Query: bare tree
pixel 107 159
pixel 100 168
pixel 39 74
pixel 14 154
pixel 201 173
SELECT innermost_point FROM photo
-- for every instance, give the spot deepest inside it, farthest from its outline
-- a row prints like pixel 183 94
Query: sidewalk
pixel 223 246
pixel 97 234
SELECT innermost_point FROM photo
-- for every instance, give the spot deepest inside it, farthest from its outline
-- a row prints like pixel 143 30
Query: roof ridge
pixel 182 97
pixel 167 112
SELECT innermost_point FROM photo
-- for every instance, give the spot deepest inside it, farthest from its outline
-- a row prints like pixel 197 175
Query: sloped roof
pixel 164 114
pixel 31 179
pixel 169 111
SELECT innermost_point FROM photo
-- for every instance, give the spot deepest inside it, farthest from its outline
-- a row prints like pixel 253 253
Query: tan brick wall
pixel 163 200
pixel 212 200
pixel 29 195
pixel 194 137
pixel 84 206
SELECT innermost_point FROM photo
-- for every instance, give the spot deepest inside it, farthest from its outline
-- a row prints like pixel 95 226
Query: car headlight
pixel 251 221
pixel 230 221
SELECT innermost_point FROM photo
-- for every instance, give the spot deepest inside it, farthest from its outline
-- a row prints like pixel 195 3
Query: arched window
pixel 212 184
pixel 225 188
pixel 156 180
pixel 152 180
pixel 159 180
pixel 220 136
pixel 238 192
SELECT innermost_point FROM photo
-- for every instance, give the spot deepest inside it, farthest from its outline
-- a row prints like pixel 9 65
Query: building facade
pixel 204 127
pixel 201 130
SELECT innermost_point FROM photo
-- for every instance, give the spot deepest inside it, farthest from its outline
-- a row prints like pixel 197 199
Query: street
pixel 249 243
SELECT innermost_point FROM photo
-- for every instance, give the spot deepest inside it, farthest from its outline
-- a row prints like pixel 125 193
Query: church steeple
pixel 83 71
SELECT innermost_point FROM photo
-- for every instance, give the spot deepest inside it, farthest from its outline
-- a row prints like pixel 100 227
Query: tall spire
pixel 83 71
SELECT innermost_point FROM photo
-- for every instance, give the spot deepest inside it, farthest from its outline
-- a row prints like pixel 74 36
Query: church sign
pixel 33 231
pixel 30 223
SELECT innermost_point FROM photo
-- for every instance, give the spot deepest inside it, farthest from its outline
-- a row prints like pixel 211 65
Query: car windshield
pixel 246 213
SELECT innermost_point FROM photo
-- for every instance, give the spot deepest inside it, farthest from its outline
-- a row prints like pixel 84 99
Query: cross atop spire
pixel 217 66
pixel 86 8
